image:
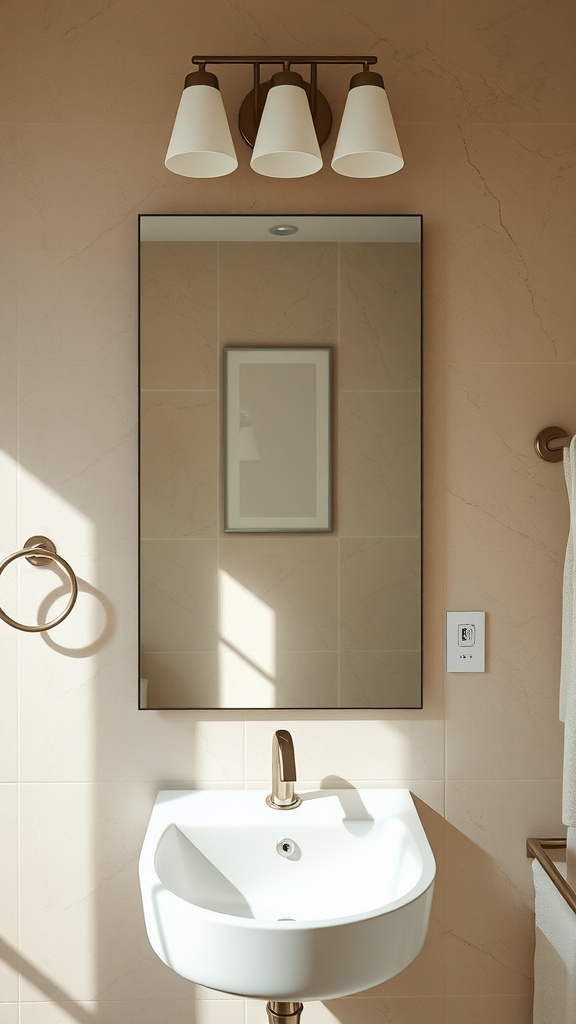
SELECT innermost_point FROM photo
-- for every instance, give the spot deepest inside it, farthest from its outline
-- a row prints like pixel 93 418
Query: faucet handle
pixel 285 754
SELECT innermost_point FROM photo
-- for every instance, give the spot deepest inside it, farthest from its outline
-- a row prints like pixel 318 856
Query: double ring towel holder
pixel 551 442
pixel 40 551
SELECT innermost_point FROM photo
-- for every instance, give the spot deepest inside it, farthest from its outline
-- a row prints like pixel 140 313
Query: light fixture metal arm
pixel 251 108
pixel 298 59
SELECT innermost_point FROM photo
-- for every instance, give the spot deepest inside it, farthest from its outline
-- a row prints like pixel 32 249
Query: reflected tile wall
pixel 178 316
pixel 278 294
pixel 484 98
pixel 300 595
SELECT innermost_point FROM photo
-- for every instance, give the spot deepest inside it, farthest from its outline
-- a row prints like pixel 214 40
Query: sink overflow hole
pixel 285 847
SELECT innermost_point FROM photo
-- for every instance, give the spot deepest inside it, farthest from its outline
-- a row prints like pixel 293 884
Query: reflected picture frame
pixel 277 438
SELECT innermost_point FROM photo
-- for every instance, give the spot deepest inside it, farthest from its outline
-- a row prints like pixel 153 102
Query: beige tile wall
pixel 484 97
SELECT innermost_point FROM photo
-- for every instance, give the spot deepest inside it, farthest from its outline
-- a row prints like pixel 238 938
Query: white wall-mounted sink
pixel 325 899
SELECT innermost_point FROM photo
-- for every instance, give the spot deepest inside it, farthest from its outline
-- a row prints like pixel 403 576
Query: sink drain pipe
pixel 283 1013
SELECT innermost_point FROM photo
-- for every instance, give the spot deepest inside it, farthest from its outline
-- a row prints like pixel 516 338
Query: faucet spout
pixel 283 796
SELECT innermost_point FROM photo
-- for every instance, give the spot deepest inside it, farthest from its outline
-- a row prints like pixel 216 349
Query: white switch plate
pixel 465 641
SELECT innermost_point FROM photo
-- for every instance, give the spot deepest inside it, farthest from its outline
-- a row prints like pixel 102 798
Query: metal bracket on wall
pixel 41 551
pixel 551 442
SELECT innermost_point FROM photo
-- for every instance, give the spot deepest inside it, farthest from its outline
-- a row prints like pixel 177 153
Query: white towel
pixel 568 664
pixel 555 956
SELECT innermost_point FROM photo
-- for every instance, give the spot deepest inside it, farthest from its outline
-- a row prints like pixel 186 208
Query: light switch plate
pixel 465 641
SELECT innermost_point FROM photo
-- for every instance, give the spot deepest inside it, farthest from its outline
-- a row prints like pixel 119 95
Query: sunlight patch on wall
pixel 247 647
pixel 44 511
pixel 38 594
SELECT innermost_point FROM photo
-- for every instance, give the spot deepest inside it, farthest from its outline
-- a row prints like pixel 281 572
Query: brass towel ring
pixel 40 551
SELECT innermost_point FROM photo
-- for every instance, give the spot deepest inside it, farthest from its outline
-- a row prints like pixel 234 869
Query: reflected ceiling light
pixel 282 230
pixel 285 120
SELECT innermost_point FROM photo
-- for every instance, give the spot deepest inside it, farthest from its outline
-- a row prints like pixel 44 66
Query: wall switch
pixel 465 641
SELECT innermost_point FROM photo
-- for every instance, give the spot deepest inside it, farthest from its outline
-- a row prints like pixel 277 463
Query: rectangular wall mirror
pixel 280 462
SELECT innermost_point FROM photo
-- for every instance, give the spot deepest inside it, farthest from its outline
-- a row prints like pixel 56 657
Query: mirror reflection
pixel 303 619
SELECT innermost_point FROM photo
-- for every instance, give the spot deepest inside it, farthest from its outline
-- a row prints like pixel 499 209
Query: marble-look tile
pixel 8 696
pixel 180 680
pixel 8 449
pixel 110 62
pixel 379 463
pixel 273 293
pixel 490 902
pixel 504 724
pixel 9 894
pixel 179 595
pixel 8 331
pixel 306 679
pixel 379 309
pixel 179 456
pixel 409 43
pixel 494 413
pixel 171 748
pixel 511 255
pixel 178 315
pixel 80 722
pixel 511 64
pixel 380 593
pixel 377 679
pixel 434 458
pixel 363 750
pixel 135 1011
pixel 515 1009
pixel 80 910
pixel 81 186
pixel 296 679
pixel 9 62
pixel 433 630
pixel 278 593
pixel 8 457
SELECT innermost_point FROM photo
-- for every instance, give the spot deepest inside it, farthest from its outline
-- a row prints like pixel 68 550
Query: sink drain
pixel 286 847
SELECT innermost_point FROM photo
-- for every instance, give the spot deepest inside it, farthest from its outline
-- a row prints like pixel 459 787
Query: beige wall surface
pixel 483 94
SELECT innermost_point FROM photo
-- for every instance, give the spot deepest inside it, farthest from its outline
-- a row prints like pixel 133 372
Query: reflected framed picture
pixel 277 439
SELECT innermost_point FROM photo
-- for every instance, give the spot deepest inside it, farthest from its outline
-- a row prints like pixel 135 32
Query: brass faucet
pixel 283 796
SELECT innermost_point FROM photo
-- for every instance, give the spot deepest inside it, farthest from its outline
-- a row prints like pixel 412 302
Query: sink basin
pixel 325 899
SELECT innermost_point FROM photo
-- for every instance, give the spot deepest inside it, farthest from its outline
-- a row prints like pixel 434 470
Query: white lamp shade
pixel 201 144
pixel 367 145
pixel 286 145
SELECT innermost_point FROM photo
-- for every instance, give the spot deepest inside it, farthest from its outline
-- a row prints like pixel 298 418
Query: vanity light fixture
pixel 285 120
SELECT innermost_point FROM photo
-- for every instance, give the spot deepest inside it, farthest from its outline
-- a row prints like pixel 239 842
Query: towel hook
pixel 40 551
pixel 542 443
